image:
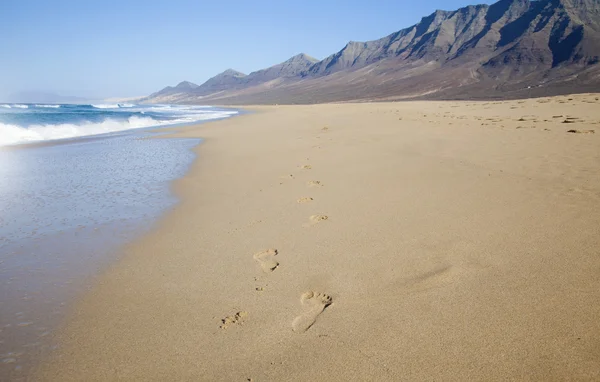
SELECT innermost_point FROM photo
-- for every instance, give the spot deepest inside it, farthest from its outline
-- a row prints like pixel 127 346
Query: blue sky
pixel 129 48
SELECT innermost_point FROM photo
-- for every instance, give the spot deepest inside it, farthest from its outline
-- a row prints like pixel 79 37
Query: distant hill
pixel 513 48
pixel 288 69
pixel 228 80
pixel 42 97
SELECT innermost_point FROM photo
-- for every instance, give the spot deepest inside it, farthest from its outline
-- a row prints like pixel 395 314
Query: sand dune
pixel 455 241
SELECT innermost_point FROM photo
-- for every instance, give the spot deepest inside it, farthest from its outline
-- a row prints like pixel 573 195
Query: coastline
pixel 439 251
pixel 50 255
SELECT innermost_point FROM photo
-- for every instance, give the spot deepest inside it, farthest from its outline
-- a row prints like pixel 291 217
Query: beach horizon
pixel 420 240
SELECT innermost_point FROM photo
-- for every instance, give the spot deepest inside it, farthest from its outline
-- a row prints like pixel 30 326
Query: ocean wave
pixel 105 106
pixel 48 106
pixel 206 116
pixel 112 105
pixel 179 109
pixel 17 106
pixel 13 134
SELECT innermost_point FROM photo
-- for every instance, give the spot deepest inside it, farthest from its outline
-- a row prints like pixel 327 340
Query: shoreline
pixel 46 268
pixel 422 211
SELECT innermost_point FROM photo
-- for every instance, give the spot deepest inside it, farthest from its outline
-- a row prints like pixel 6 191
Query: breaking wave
pixel 112 105
pixel 48 106
pixel 106 106
pixel 12 134
pixel 16 106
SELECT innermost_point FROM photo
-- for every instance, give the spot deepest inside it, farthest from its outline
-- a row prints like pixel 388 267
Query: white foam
pixel 202 117
pixel 13 134
pixel 48 106
pixel 106 106
pixel 17 106
pixel 113 105
pixel 181 109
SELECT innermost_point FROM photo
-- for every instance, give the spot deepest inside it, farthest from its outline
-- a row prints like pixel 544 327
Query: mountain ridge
pixel 509 49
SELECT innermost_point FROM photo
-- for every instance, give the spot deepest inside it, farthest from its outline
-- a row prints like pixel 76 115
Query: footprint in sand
pixel 314 183
pixel 318 218
pixel 267 259
pixel 305 200
pixel 575 131
pixel 236 319
pixel 314 304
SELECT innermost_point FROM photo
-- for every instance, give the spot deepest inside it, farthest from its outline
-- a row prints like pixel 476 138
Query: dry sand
pixel 397 241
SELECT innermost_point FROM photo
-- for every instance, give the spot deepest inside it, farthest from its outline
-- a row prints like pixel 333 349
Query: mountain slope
pixel 550 35
pixel 229 79
pixel 289 68
pixel 512 48
pixel 172 93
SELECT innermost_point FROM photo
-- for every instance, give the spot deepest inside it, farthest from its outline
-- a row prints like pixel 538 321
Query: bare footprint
pixel 305 200
pixel 267 259
pixel 314 304
pixel 581 131
pixel 236 319
pixel 318 218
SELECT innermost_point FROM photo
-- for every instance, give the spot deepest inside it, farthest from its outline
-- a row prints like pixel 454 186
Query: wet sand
pixel 392 241
pixel 65 210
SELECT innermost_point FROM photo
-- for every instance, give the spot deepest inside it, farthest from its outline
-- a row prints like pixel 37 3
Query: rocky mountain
pixel 182 87
pixel 228 80
pixel 290 68
pixel 512 48
pixel 233 80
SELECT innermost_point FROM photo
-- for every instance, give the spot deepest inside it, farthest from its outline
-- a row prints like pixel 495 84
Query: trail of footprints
pixel 313 303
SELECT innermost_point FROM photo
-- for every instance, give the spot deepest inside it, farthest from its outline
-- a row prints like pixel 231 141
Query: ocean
pixel 76 183
pixel 26 123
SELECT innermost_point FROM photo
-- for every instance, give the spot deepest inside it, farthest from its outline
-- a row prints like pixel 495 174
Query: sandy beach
pixel 376 241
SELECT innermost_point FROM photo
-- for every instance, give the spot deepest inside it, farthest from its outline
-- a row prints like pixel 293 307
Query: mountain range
pixel 510 49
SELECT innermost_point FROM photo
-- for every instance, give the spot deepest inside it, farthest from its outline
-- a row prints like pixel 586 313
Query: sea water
pixel 67 205
pixel 26 123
